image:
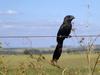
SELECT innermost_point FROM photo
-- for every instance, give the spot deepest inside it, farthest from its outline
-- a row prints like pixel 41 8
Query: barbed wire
pixel 47 36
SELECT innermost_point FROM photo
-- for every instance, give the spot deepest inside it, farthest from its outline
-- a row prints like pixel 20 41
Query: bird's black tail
pixel 57 52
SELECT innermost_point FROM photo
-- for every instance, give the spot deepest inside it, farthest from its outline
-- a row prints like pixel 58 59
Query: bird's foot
pixel 69 36
pixel 54 63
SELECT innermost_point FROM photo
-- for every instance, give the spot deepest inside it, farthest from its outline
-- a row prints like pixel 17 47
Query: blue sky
pixel 43 17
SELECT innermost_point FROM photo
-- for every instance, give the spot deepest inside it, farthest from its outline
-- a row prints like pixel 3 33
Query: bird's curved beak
pixel 73 17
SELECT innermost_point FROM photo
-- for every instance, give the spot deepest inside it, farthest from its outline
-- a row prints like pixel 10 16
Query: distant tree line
pixel 0 44
pixel 30 51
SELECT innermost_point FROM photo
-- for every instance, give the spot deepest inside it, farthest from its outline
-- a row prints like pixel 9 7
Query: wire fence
pixel 47 36
pixel 44 40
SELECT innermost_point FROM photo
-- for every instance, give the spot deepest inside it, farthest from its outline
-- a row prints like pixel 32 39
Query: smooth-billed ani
pixel 63 32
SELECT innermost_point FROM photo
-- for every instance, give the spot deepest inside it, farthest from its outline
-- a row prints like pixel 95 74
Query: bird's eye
pixel 69 16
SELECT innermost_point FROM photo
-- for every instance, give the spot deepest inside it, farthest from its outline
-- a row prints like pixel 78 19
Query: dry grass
pixel 72 64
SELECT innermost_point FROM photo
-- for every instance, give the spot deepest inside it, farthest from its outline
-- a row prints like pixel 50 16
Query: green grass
pixel 72 64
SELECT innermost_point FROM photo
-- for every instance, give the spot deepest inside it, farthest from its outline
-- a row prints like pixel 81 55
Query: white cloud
pixel 9 12
pixel 7 26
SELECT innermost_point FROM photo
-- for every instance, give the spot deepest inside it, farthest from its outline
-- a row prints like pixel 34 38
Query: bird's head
pixel 69 18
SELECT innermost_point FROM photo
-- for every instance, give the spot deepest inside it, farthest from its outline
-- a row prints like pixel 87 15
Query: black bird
pixel 63 32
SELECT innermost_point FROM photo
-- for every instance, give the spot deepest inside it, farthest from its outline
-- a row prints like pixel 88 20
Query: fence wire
pixel 47 36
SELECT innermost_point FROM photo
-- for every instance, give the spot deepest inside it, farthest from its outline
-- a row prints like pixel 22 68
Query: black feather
pixel 63 32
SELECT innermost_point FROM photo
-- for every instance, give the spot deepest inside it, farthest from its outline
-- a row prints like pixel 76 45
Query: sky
pixel 44 17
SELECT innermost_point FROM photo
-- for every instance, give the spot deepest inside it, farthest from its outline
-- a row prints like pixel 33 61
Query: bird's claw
pixel 53 62
pixel 69 36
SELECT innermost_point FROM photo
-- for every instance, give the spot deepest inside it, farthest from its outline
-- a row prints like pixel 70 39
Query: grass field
pixel 71 64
